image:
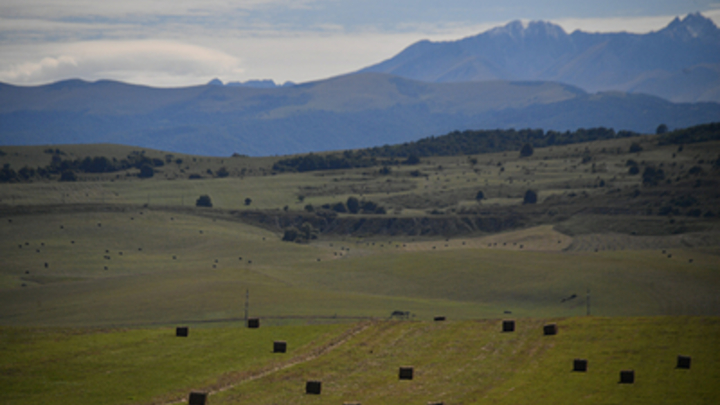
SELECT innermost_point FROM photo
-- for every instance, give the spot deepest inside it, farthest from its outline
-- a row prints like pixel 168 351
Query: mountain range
pixel 514 76
pixel 352 111
pixel 680 62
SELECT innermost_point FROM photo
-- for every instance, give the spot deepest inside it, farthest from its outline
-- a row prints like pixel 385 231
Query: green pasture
pixel 165 267
pixel 472 362
pixel 456 362
pixel 130 366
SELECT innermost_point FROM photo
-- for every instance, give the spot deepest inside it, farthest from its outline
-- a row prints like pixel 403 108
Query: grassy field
pixel 96 273
pixel 456 362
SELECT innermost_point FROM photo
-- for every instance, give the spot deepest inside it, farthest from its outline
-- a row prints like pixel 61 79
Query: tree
pixel 353 205
pixel 661 129
pixel 203 201
pixel 339 207
pixel 480 195
pixel 527 150
pixel 222 172
pixel 530 197
pixel 248 201
pixel 412 159
pixel 635 147
pixel 146 171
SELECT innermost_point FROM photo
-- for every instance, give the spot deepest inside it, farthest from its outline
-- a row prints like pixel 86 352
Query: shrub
pixel 68 175
pixel 309 208
pixel 339 207
pixel 480 195
pixel 203 201
pixel 248 201
pixel 146 171
pixel 633 170
pixel 222 172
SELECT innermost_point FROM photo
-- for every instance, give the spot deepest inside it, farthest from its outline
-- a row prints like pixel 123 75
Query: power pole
pixel 247 303
pixel 588 301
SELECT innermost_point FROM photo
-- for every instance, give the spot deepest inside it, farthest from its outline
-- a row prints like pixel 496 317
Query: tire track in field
pixel 312 355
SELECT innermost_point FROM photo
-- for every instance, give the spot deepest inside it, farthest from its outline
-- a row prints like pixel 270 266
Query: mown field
pixel 454 362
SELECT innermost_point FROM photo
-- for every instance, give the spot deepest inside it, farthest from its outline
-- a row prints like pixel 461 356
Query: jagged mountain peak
pixel 692 26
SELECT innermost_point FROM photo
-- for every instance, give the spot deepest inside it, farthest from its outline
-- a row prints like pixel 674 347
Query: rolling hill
pixel 346 112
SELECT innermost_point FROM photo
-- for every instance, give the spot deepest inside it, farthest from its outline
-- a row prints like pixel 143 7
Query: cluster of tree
pixel 353 206
pixel 312 162
pixel 305 233
pixel 67 168
pixel 454 143
pixel 698 133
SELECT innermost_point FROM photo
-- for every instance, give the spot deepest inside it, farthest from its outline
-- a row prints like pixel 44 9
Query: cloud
pixel 166 63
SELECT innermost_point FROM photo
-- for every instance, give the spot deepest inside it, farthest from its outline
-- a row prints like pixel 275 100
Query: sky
pixel 172 43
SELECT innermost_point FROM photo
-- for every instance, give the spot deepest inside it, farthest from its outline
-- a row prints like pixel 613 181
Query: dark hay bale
pixel 139 249
pixel 99 225
pixel 172 219
pixel 240 258
pixel 690 261
pixel 663 251
pixel 19 246
pixel 132 218
pixel 37 250
pixel 683 362
pixel 182 331
pixel 27 243
pixel 508 326
pixel 46 265
pixel 107 251
pixel 27 272
pixel 120 253
pixel 318 259
pixel 174 257
pixel 406 373
pixel 439 318
pixel 216 260
pixel 214 266
pixel 507 312
pixel 580 365
pixel 550 329
pixel 72 241
pixel 253 323
pixel 435 403
pixel 279 346
pixel 42 243
pixel 627 377
pixel 105 268
pixel 62 227
pixel 197 398
pixel 23 285
pixel 249 261
pixel 313 387
pixel 200 231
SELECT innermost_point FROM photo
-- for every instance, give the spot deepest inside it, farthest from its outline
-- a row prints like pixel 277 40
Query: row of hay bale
pixel 314 387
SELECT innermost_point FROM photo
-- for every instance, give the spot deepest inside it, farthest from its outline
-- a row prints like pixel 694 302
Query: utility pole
pixel 247 303
pixel 588 301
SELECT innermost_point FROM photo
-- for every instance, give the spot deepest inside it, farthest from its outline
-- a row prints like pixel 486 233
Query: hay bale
pixel 182 331
pixel 351 403
pixel 683 362
pixel 508 326
pixel 279 346
pixel 313 387
pixel 253 323
pixel 439 318
pixel 550 329
pixel 627 376
pixel 435 403
pixel 46 265
pixel 406 373
pixel 197 398
pixel 580 365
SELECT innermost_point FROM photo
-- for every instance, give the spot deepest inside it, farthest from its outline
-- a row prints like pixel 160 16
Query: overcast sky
pixel 187 42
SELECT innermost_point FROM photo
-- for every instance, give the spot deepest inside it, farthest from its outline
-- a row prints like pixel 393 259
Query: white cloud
pixel 166 63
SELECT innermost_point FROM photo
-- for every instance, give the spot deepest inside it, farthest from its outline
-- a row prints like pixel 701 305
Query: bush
pixel 530 197
pixel 248 201
pixel 309 208
pixel 480 195
pixel 633 170
pixel 339 207
pixel 222 172
pixel 203 201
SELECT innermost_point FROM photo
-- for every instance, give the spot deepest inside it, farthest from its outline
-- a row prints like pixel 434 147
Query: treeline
pixel 699 133
pixel 67 168
pixel 454 143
